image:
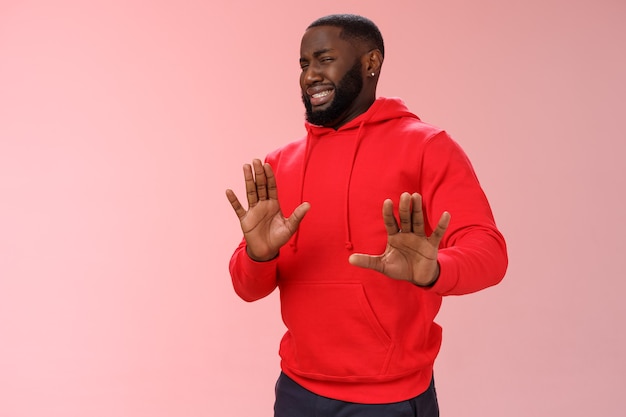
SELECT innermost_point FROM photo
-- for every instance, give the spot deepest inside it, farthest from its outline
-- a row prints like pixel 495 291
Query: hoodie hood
pixel 382 110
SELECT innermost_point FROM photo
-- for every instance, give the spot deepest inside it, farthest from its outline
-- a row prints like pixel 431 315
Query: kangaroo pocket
pixel 332 332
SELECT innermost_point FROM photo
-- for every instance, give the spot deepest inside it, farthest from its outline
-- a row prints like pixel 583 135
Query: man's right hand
pixel 264 227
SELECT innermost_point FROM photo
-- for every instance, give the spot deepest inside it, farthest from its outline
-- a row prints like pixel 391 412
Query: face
pixel 331 78
pixel 345 93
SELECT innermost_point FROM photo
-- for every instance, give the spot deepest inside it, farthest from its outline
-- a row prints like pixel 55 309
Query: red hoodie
pixel 354 334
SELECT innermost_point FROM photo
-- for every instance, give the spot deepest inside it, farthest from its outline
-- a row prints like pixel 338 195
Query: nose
pixel 310 75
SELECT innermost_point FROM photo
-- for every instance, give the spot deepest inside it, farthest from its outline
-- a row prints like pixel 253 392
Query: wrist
pixel 260 259
pixel 433 281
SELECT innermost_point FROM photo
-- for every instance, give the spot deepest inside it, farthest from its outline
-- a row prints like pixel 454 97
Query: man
pixel 359 295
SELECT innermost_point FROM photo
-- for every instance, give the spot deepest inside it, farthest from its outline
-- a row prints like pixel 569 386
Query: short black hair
pixel 354 27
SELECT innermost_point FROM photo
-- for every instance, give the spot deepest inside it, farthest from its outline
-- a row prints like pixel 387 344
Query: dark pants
pixel 292 400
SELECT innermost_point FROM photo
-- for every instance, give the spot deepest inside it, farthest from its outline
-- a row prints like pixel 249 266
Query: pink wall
pixel 121 124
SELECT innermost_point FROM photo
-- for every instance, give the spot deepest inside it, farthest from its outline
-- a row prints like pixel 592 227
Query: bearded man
pixel 359 295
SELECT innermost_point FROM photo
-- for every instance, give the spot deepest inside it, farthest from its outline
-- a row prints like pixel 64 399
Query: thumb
pixel 365 261
pixel 297 215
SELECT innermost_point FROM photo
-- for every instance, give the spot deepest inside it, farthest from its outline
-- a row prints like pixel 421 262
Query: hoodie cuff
pixel 252 264
pixel 252 279
pixel 448 274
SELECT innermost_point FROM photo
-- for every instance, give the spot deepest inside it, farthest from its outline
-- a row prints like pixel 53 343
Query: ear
pixel 372 62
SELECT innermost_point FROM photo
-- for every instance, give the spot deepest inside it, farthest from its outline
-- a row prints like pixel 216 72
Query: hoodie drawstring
pixel 310 143
pixel 305 163
pixel 357 144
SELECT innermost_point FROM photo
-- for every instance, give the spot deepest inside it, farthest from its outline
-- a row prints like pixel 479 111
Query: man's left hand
pixel 410 255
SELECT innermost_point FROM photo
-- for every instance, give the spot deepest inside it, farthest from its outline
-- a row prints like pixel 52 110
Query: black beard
pixel 346 92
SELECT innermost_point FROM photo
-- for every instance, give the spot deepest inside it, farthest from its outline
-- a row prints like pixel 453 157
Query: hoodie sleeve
pixel 252 280
pixel 472 255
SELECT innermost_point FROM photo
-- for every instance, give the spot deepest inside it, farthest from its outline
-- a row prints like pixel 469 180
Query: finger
pixel 251 193
pixel 234 202
pixel 260 179
pixel 417 216
pixel 439 231
pixel 389 219
pixel 272 192
pixel 404 211
pixel 366 261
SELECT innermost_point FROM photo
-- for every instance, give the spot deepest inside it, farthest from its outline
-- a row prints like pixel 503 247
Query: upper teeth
pixel 321 94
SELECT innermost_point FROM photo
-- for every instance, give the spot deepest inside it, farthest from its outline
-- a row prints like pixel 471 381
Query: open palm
pixel 409 255
pixel 264 227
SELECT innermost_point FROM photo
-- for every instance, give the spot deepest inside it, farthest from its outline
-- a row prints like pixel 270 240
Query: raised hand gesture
pixel 263 224
pixel 410 255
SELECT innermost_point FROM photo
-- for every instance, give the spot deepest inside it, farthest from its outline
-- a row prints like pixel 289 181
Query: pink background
pixel 121 124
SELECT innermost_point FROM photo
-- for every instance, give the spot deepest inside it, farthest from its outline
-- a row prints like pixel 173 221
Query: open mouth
pixel 320 97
